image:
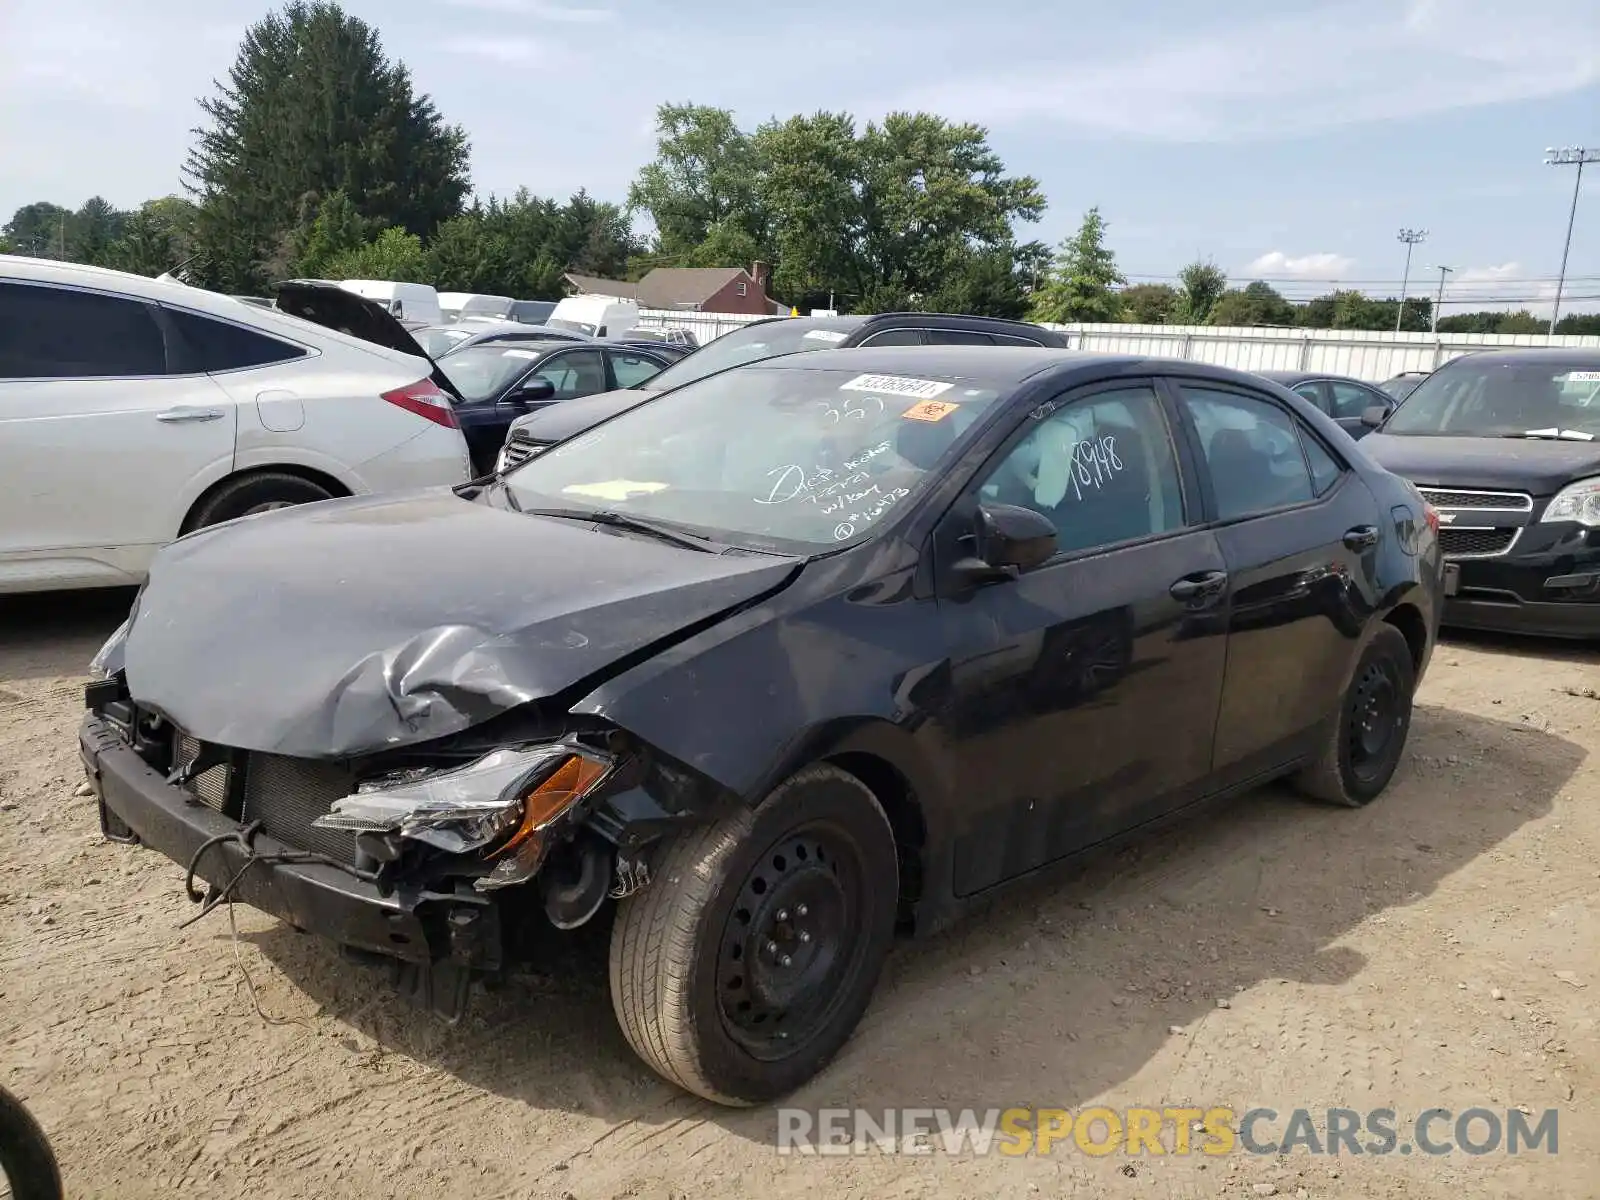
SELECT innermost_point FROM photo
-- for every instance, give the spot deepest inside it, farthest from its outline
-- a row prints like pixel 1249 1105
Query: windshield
pixel 575 326
pixel 766 339
pixel 789 460
pixel 1482 397
pixel 483 371
pixel 440 341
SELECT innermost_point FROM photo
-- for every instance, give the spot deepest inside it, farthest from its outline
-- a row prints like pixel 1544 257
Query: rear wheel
pixel 26 1162
pixel 1364 746
pixel 250 494
pixel 744 967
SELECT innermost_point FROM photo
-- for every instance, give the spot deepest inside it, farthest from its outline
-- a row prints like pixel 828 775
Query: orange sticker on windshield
pixel 929 410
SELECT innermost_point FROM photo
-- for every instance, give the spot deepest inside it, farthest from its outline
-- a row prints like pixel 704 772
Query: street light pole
pixel 1567 156
pixel 1439 300
pixel 1410 237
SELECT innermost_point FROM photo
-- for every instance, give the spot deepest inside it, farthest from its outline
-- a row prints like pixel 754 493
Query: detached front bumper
pixel 418 927
pixel 1548 583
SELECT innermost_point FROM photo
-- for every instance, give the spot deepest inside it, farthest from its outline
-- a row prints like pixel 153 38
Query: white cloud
pixel 1306 266
pixel 518 51
pixel 538 9
pixel 1508 270
pixel 1343 64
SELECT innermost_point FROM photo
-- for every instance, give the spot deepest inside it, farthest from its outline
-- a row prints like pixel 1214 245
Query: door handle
pixel 1362 537
pixel 1202 586
pixel 184 413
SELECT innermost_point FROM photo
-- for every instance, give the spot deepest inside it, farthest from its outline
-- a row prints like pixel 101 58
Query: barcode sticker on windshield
pixel 1584 377
pixel 897 385
pixel 824 335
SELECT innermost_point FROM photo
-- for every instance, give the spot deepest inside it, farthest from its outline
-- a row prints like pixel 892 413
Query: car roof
pixel 1291 377
pixel 993 364
pixel 1577 356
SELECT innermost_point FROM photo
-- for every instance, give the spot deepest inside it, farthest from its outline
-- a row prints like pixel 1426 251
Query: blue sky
pixel 1288 139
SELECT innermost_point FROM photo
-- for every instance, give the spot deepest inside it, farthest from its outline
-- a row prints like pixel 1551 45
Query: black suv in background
pixel 1506 445
pixel 770 339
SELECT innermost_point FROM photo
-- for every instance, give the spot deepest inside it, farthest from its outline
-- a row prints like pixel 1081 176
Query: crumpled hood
pixel 1538 466
pixel 351 626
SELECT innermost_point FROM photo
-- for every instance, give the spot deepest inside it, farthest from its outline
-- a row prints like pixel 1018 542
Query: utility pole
pixel 1411 237
pixel 1567 156
pixel 1439 300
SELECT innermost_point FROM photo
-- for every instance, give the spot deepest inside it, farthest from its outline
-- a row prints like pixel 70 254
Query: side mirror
pixel 534 391
pixel 1011 540
pixel 1375 416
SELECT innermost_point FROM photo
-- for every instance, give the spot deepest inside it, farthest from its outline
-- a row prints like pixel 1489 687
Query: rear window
pixel 208 345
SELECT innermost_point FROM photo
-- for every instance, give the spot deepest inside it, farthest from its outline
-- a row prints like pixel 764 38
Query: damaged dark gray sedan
pixel 763 668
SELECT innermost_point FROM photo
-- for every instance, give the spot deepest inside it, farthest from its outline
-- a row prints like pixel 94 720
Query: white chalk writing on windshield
pixel 820 484
pixel 877 504
pixel 854 409
pixel 1094 461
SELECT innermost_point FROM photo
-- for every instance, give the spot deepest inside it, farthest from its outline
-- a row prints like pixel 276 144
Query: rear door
pixel 98 433
pixel 1299 533
pixel 632 368
pixel 1084 693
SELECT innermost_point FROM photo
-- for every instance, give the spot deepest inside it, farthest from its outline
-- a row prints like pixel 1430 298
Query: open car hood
pixel 352 626
pixel 325 303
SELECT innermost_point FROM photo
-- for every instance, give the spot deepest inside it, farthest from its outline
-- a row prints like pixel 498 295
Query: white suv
pixel 134 410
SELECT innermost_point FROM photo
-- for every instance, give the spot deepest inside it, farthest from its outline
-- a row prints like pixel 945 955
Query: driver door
pixel 1084 693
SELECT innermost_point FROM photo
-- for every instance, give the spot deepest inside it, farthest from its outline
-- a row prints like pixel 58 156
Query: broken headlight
pixel 108 659
pixel 501 804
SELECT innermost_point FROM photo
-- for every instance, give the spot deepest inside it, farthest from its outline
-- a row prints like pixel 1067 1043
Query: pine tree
pixel 1082 276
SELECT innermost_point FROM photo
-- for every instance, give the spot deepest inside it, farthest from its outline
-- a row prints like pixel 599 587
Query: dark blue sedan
pixel 500 381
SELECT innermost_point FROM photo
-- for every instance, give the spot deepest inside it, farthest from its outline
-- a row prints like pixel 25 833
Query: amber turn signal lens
pixel 560 790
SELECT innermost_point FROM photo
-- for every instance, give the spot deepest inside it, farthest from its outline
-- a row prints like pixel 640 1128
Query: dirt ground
pixel 1439 949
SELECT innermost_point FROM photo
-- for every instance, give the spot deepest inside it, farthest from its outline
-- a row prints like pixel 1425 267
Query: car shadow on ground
pixel 1516 645
pixel 52 634
pixel 1057 992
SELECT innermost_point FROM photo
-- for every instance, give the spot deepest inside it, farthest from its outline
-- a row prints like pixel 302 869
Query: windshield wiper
pixel 616 520
pixel 1560 435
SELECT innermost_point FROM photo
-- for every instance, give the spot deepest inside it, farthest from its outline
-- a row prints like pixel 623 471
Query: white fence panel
pixel 1364 354
pixel 704 325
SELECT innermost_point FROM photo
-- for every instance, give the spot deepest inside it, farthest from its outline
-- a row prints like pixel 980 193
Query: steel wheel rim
pixel 1376 713
pixel 267 506
pixel 791 942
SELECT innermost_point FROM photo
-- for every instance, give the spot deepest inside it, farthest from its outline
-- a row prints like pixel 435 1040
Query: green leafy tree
pixel 39 229
pixel 1256 304
pixel 337 229
pixel 157 237
pixel 1151 303
pixel 1082 278
pixel 1577 323
pixel 311 107
pixel 703 179
pixel 1202 284
pixel 1522 321
pixel 93 229
pixel 393 254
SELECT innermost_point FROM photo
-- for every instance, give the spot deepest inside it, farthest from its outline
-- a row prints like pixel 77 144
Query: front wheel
pixel 26 1162
pixel 1365 743
pixel 744 967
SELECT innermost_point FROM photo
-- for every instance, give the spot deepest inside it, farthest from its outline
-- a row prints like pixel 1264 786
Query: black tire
pixel 1364 746
pixel 685 993
pixel 254 493
pixel 26 1161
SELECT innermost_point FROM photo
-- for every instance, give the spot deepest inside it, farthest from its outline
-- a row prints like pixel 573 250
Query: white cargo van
pixel 405 301
pixel 598 316
pixel 472 304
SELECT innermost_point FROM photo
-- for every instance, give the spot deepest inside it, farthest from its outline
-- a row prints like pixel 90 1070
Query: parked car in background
pixel 671 337
pixel 597 316
pixel 133 411
pixel 1403 384
pixel 405 301
pixel 456 305
pixel 1506 445
pixel 440 340
pixel 667 350
pixel 774 338
pixel 531 312
pixel 797 654
pixel 1341 397
pixel 501 380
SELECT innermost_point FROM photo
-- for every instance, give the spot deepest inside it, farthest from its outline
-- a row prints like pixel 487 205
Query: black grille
pixel 287 794
pixel 1519 501
pixel 1457 543
pixel 210 787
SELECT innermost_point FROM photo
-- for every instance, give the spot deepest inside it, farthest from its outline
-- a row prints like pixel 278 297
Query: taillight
pixel 427 399
pixel 1430 514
